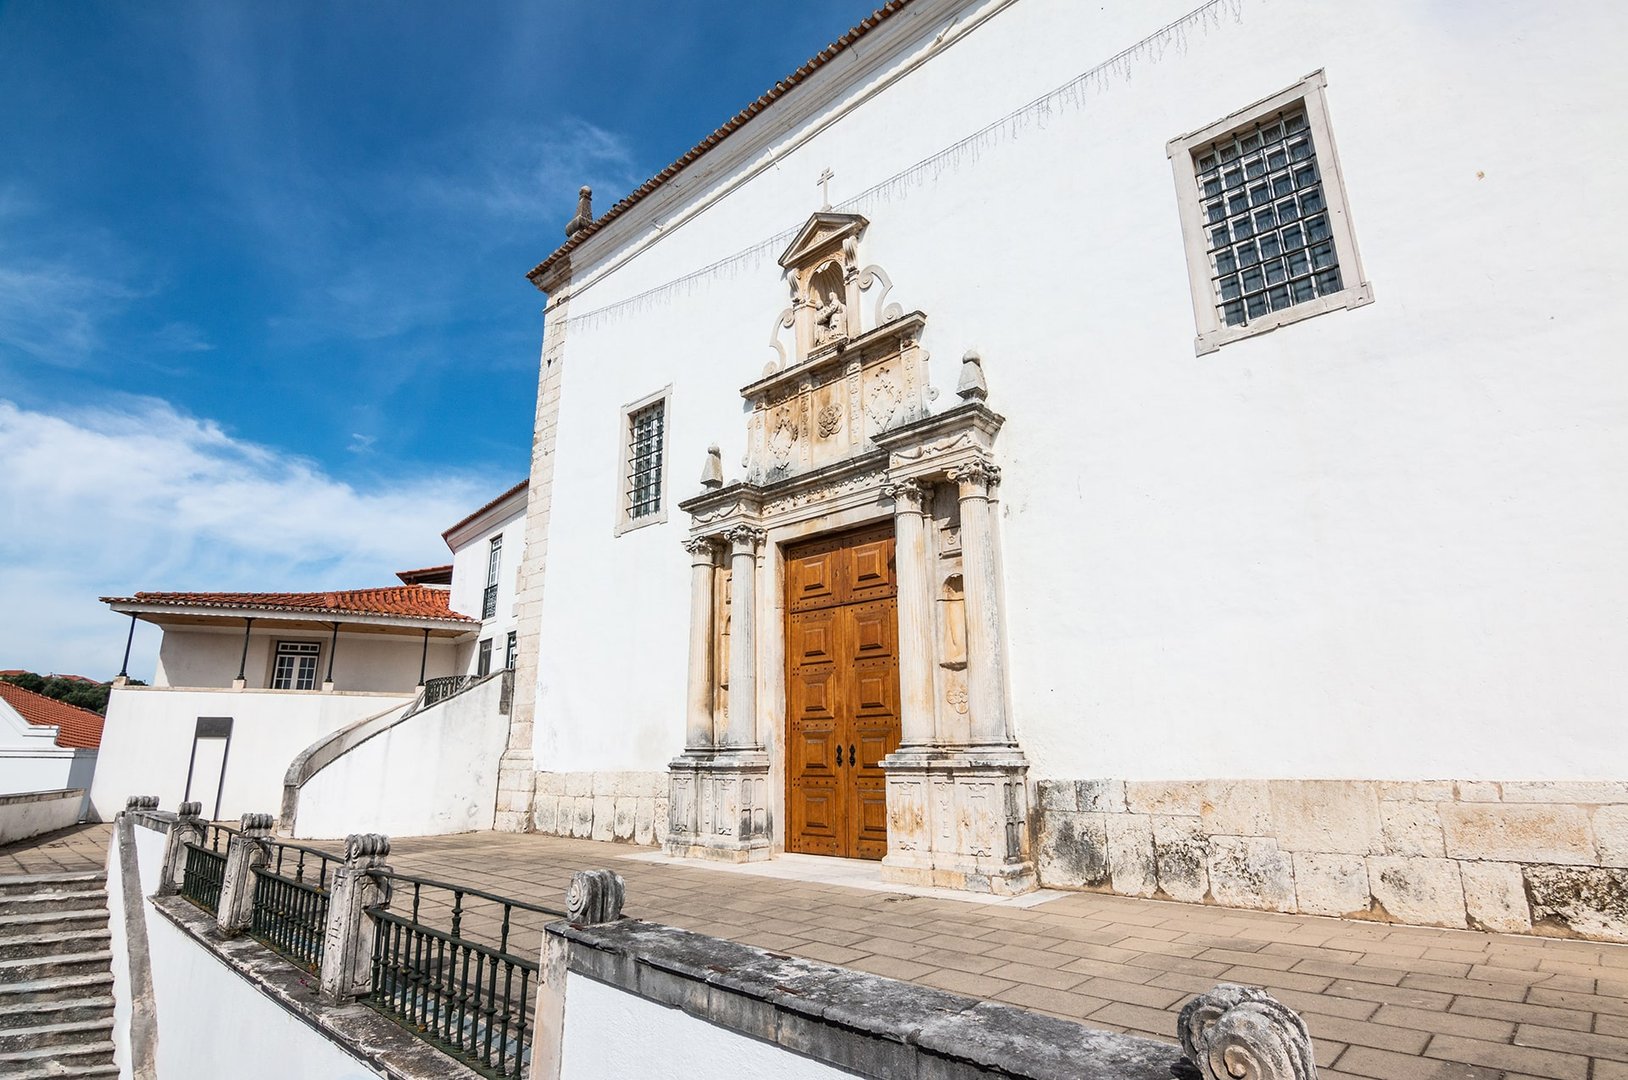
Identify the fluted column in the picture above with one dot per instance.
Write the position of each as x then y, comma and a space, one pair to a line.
741, 729
915, 576
986, 675
698, 716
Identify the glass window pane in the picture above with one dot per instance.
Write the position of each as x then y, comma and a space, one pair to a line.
1257, 305
1269, 245
1225, 263
1247, 255
1328, 281
1279, 297
1253, 279
1298, 263
1229, 288
1302, 290
1242, 229
1233, 313
1275, 274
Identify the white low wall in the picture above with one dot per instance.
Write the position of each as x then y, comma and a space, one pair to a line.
147, 742
432, 773
671, 1042
36, 812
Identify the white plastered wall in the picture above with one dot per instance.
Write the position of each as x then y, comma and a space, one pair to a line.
1383, 543
209, 657
469, 564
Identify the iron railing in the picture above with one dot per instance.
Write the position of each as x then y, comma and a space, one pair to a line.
459, 987
204, 873
438, 690
290, 907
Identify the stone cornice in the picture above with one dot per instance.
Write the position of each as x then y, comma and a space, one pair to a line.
833, 357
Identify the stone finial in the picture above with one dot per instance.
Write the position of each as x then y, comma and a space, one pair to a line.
141, 802
366, 847
585, 213
257, 824
972, 386
595, 896
712, 473
1243, 1033
189, 810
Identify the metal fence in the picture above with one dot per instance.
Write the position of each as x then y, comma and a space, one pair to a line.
291, 902
205, 868
472, 998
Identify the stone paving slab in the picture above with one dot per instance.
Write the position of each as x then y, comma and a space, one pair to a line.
1384, 1002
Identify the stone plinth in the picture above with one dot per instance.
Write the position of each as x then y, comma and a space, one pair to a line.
718, 806
959, 819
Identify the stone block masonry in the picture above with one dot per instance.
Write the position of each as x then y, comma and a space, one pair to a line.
1529, 857
625, 806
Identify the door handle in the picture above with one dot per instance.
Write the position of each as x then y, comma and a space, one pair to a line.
850, 753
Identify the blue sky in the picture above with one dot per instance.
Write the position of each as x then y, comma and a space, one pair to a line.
264, 322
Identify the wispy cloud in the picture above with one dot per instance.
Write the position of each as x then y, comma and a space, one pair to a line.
180, 337
113, 500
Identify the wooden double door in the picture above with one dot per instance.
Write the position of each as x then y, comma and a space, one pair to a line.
842, 690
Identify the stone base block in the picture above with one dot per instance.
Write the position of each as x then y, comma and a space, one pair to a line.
718, 806
625, 807
959, 819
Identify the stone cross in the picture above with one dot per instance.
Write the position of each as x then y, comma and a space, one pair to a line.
824, 181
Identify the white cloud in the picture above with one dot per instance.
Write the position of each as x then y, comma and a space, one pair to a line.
109, 501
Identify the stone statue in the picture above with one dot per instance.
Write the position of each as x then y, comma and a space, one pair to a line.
830, 321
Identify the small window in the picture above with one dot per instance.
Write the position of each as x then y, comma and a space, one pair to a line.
1264, 217
509, 652
494, 560
642, 476
295, 666
483, 665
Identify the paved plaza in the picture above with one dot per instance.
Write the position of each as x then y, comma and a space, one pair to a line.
1383, 1002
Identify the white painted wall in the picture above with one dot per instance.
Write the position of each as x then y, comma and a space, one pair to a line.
670, 1043
23, 816
212, 1021
147, 742
31, 760
433, 773
209, 656
469, 564
1381, 543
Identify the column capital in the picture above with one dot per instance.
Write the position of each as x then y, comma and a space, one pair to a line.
909, 496
702, 548
745, 539
976, 477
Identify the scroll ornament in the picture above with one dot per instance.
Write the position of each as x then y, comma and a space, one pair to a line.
594, 896
1243, 1033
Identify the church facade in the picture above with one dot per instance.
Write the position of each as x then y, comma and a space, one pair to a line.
1168, 451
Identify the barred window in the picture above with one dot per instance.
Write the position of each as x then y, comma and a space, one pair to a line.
1263, 211
644, 461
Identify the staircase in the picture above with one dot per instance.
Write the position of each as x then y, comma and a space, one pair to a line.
56, 983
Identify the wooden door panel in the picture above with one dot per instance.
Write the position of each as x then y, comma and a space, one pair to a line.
812, 580
869, 836
870, 570
873, 631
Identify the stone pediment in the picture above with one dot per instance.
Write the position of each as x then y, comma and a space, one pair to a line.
820, 235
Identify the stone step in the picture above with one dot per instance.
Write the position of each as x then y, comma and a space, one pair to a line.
61, 1034
72, 941
69, 882
59, 965
62, 988
70, 1060
52, 900
56, 1073
13, 927
83, 1007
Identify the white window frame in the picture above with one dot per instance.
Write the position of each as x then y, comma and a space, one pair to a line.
494, 562
1358, 292
316, 662
625, 522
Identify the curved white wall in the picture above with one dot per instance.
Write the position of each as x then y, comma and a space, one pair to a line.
433, 773
1383, 543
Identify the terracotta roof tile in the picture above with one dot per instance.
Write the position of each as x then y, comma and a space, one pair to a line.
467, 518
403, 601
733, 124
427, 575
77, 729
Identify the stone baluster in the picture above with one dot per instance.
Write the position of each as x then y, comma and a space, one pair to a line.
246, 850
986, 672
347, 950
741, 730
915, 569
188, 828
698, 728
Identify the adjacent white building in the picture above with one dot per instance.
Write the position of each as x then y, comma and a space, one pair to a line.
1168, 451
45, 744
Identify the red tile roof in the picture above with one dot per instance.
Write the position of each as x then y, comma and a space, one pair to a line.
521, 486
427, 575
77, 729
733, 124
402, 601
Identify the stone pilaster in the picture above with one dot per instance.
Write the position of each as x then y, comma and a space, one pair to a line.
698, 728
247, 849
915, 600
740, 728
188, 827
347, 951
986, 648
516, 769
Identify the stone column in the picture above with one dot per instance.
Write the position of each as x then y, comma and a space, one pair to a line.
741, 730
188, 827
986, 674
915, 574
698, 716
347, 950
247, 850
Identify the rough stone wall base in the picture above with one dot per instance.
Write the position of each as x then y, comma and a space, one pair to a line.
625, 806
1543, 857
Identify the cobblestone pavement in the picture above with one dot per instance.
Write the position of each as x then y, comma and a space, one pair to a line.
1383, 1002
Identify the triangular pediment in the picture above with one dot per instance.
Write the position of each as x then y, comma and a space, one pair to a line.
824, 230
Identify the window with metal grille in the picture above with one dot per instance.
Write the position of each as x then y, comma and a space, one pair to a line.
295, 665
1264, 215
645, 433
494, 560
